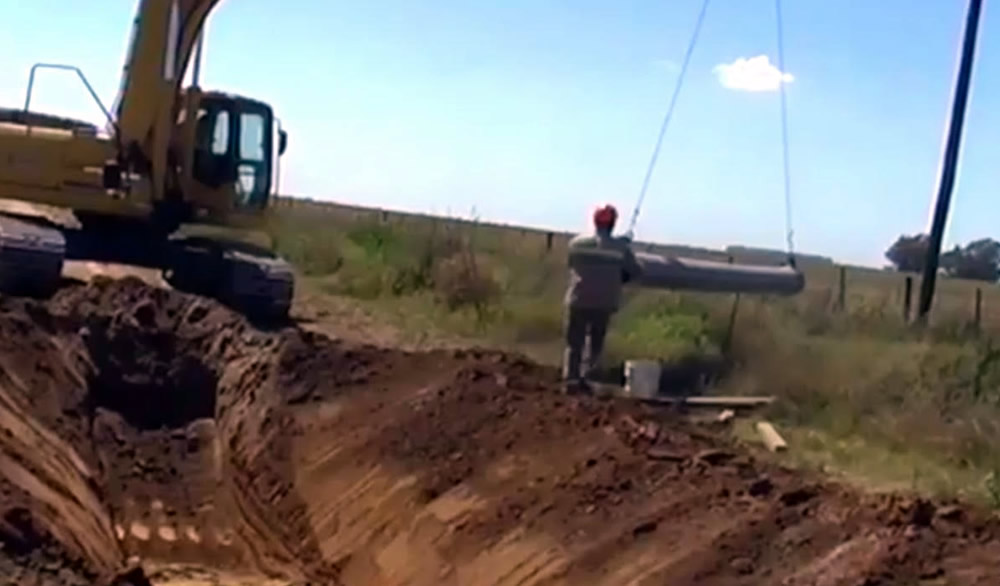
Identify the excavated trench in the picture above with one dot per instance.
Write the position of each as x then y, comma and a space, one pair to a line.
140, 422
149, 382
146, 424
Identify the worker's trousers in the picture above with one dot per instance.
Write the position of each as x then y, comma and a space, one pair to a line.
583, 325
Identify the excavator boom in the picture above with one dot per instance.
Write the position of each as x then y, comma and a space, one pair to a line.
163, 37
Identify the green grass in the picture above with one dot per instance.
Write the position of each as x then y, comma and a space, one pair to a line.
859, 390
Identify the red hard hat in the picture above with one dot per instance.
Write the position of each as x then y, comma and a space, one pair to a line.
605, 216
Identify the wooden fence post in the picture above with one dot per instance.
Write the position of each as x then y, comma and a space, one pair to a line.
842, 289
907, 297
977, 315
727, 342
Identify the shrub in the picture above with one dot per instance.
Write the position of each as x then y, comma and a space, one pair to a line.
460, 281
534, 321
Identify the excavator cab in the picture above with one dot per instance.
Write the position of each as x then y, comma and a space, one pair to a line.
226, 150
234, 146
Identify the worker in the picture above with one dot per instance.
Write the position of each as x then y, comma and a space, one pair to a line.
599, 264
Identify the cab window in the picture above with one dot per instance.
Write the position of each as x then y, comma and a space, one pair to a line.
251, 137
212, 159
220, 135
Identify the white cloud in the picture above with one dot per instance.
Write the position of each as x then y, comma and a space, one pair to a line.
755, 74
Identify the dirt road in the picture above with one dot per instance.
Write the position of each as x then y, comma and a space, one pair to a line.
140, 423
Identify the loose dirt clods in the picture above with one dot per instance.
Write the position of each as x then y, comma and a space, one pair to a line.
143, 426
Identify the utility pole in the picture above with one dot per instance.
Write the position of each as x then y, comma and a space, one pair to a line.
949, 163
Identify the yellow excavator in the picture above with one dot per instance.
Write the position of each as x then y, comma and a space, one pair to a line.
170, 157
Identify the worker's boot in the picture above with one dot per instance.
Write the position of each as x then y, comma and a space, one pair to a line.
577, 386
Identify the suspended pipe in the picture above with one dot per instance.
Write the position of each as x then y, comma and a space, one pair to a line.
680, 273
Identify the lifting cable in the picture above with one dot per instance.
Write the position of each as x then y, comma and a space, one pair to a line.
668, 116
789, 232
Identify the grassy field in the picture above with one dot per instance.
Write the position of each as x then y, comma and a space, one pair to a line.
861, 392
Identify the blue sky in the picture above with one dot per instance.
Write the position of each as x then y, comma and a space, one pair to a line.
532, 111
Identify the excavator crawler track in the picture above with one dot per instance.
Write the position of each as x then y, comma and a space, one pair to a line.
31, 257
260, 286
253, 282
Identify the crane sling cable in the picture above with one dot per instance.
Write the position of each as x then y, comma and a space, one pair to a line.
668, 116
789, 232
786, 165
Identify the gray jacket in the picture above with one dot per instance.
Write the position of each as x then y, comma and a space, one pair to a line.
598, 265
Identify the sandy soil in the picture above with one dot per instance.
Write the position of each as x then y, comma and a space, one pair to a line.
144, 428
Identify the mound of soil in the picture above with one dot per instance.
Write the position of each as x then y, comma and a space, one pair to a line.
44, 120
507, 481
143, 425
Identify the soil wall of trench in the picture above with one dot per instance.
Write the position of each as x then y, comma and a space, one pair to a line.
139, 424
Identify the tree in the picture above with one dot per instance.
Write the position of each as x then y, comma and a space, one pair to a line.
908, 253
978, 260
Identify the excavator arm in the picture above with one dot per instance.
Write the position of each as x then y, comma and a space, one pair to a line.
163, 37
196, 148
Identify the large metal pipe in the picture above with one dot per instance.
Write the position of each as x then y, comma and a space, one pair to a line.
679, 273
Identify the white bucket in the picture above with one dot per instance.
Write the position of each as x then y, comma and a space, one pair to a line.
642, 378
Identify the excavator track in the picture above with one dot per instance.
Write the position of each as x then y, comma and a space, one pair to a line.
254, 282
250, 280
31, 257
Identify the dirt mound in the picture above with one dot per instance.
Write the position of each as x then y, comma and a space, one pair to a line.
138, 422
476, 471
